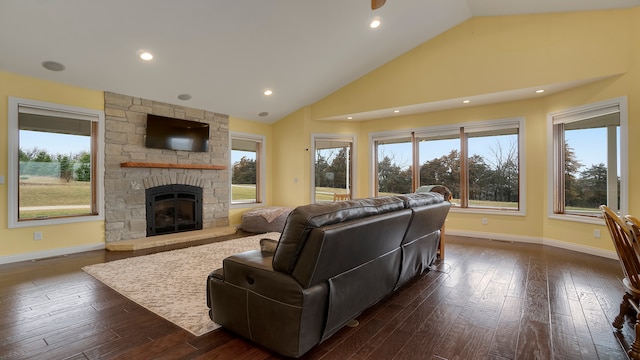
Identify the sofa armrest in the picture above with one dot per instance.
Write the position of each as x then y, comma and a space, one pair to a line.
266, 306
216, 275
252, 270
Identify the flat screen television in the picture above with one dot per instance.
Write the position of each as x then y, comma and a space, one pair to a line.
176, 134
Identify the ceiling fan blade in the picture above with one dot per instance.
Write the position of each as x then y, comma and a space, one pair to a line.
375, 4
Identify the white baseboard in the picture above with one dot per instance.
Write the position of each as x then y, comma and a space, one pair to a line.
502, 237
582, 248
50, 253
536, 240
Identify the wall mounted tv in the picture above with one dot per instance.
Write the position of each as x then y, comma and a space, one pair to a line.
176, 134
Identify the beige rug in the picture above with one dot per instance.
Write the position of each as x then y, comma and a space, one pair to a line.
173, 284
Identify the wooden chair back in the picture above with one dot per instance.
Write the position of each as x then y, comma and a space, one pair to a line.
341, 197
625, 239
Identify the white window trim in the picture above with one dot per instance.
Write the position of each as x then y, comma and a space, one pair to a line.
581, 113
262, 171
469, 127
45, 108
354, 162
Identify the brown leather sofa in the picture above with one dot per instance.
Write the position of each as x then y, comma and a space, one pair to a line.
333, 261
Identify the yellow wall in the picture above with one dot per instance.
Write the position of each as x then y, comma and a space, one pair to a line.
633, 93
20, 241
486, 55
251, 127
291, 178
493, 54
292, 172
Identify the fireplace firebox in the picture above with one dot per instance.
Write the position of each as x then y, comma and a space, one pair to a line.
173, 208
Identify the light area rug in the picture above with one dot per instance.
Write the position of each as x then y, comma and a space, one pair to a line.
172, 284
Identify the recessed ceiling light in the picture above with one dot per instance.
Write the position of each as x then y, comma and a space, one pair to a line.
539, 91
268, 92
349, 117
466, 101
375, 23
145, 55
184, 97
264, 113
52, 65
396, 111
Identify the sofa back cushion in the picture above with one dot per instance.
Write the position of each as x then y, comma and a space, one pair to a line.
429, 214
421, 199
307, 217
338, 248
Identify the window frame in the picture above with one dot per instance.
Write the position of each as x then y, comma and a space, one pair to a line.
460, 128
65, 111
579, 113
352, 138
260, 168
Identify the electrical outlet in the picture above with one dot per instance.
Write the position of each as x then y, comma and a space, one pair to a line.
485, 221
596, 233
37, 235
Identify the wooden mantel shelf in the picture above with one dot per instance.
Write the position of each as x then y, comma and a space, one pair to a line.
131, 164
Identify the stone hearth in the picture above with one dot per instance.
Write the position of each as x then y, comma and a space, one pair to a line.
169, 239
125, 213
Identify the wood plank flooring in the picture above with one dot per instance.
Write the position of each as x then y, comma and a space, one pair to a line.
486, 300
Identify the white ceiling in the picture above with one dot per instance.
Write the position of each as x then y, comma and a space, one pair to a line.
225, 53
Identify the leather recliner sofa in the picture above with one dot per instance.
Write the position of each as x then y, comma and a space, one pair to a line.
333, 260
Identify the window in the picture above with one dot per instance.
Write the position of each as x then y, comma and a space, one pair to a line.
394, 164
479, 162
55, 163
333, 161
247, 170
439, 156
493, 168
588, 149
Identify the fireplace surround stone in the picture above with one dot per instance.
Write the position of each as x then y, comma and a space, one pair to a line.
125, 123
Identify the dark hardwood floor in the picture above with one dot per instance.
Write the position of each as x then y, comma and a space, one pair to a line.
486, 300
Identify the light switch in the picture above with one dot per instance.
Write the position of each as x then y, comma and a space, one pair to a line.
1, 179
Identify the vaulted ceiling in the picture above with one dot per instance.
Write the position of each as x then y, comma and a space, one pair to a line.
225, 54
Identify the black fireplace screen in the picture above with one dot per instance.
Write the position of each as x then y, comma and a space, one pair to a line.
173, 208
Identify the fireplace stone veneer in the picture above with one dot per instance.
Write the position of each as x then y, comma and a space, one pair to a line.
125, 187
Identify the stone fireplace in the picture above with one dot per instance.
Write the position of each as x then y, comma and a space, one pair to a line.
126, 186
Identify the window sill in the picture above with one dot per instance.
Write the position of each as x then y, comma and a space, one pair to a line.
245, 205
576, 218
456, 209
13, 224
